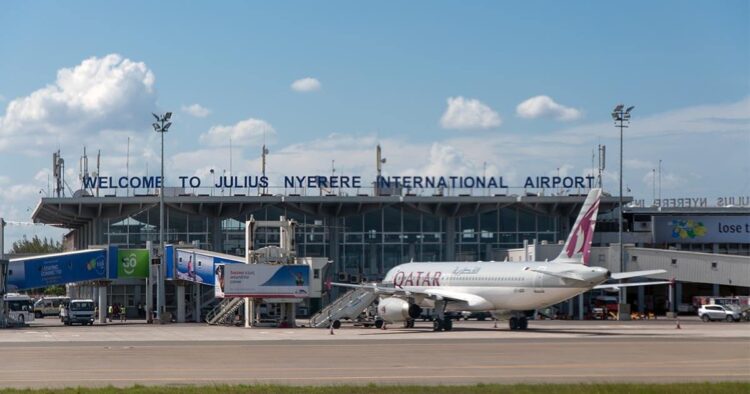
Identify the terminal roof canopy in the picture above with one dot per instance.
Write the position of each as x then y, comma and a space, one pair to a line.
74, 212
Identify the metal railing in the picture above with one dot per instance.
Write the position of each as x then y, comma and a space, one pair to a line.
224, 312
348, 306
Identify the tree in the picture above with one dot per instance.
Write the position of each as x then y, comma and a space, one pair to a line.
36, 245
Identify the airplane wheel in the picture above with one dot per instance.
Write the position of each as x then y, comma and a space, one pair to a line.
336, 324
513, 323
523, 323
448, 325
437, 325
379, 324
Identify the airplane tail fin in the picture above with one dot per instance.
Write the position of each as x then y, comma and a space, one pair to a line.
578, 246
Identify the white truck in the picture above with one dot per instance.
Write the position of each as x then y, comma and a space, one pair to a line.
79, 311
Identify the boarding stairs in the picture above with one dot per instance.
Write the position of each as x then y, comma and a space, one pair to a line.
348, 306
224, 313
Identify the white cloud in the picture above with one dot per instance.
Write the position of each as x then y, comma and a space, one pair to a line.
545, 107
306, 85
463, 113
245, 132
196, 110
100, 94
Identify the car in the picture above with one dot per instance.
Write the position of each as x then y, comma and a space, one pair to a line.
718, 312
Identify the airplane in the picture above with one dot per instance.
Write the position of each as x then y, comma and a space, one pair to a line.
505, 289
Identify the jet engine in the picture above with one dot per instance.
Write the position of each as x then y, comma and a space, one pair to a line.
394, 309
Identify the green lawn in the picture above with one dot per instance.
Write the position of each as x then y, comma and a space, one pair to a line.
676, 388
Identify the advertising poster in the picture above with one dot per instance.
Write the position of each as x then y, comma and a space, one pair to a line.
263, 280
194, 266
132, 263
701, 229
57, 269
186, 266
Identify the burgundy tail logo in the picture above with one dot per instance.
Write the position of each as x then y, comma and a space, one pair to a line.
581, 236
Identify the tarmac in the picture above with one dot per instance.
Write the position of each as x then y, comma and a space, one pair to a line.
48, 354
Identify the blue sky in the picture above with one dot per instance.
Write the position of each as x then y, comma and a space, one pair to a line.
386, 73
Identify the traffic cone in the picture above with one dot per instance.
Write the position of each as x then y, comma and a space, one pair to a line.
495, 323
678, 324
331, 325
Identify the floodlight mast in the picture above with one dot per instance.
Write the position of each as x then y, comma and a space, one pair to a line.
161, 126
622, 120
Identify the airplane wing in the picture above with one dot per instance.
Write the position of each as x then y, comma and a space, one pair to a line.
471, 300
617, 286
633, 274
562, 274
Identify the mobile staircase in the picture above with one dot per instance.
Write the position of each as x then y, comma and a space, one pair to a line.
348, 306
224, 313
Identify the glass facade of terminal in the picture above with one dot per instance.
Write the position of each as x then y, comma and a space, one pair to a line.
368, 243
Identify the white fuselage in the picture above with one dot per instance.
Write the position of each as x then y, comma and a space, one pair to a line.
507, 286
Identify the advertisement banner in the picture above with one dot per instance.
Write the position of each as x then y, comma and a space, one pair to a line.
194, 266
262, 281
132, 263
702, 229
56, 269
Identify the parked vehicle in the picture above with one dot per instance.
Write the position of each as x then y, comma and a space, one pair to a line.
20, 308
79, 311
718, 312
49, 306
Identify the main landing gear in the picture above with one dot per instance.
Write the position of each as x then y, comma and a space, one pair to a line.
518, 323
440, 323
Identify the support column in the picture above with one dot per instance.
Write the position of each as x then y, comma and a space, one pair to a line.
641, 299
102, 304
197, 299
450, 235
716, 291
580, 306
678, 296
180, 302
217, 240
249, 311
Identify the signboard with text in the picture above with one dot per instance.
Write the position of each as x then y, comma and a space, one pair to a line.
702, 229
262, 280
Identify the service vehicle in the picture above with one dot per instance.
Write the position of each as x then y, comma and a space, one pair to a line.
20, 308
49, 306
79, 311
719, 312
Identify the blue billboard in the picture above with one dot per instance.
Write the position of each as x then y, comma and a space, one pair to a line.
57, 269
193, 265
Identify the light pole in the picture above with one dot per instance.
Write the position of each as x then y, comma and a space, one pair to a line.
161, 126
622, 120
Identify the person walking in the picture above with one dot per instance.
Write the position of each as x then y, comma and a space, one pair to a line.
110, 311
123, 315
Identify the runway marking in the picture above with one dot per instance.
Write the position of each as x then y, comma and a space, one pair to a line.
371, 378
38, 371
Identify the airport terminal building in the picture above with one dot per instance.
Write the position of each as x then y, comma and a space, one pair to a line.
366, 234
